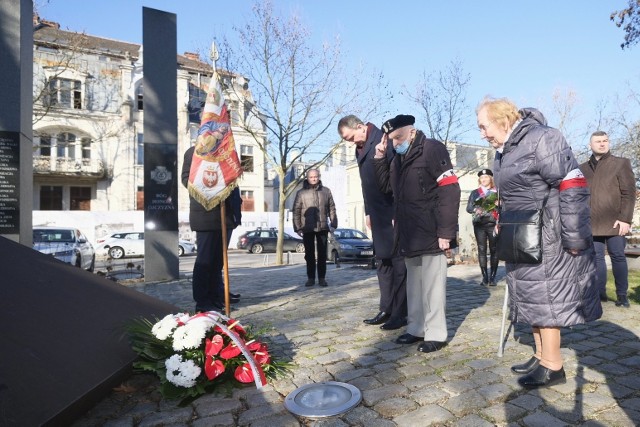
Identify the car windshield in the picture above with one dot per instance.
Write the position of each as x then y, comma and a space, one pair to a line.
59, 236
349, 234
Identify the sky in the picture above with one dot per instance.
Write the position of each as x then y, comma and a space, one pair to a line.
524, 51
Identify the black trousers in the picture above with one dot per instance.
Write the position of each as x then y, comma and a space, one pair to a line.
484, 234
207, 283
392, 279
310, 241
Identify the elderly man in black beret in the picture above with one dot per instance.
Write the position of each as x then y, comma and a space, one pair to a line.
427, 198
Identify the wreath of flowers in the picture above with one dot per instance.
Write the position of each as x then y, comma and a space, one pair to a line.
193, 355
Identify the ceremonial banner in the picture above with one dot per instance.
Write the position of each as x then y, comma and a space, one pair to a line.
215, 167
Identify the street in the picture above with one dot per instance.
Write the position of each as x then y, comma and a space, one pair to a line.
133, 267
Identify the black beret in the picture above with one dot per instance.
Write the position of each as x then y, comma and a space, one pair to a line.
485, 172
401, 120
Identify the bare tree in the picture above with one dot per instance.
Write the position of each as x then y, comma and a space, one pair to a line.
442, 96
298, 91
629, 20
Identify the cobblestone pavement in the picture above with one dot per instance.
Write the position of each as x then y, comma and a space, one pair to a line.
320, 330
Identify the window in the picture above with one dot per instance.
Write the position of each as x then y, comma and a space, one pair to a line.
247, 200
86, 148
140, 199
65, 93
246, 158
197, 98
139, 97
66, 145
50, 198
45, 145
80, 198
140, 150
234, 112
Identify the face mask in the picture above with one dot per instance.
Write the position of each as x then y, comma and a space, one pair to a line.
402, 148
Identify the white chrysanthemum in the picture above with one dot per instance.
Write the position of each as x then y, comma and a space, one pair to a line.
162, 330
189, 335
182, 373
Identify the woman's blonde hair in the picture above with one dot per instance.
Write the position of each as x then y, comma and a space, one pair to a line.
500, 110
493, 184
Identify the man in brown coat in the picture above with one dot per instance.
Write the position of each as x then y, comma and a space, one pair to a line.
613, 195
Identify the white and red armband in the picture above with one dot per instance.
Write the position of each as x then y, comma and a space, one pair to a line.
574, 178
447, 178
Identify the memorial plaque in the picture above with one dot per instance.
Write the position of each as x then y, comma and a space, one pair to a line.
9, 182
160, 187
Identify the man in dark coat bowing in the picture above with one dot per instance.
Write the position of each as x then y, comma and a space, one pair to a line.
378, 208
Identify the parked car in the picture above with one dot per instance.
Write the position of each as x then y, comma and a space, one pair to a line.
131, 244
67, 244
264, 240
346, 244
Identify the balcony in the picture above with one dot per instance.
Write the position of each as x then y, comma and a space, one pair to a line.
88, 168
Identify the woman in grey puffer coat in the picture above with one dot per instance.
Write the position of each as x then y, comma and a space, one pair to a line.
534, 161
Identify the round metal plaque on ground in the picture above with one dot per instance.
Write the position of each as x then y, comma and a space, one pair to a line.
324, 399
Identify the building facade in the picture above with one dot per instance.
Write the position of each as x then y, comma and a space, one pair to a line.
88, 143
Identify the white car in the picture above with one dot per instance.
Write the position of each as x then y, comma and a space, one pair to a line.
131, 244
66, 244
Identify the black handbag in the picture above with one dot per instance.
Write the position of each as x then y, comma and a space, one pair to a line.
520, 235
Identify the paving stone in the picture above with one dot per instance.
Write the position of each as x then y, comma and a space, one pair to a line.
427, 415
254, 414
421, 381
371, 397
542, 419
429, 395
390, 408
503, 413
347, 376
332, 357
206, 407
360, 415
469, 402
495, 392
472, 421
176, 416
281, 420
223, 420
527, 401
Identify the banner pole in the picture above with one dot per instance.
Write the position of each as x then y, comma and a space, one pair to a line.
225, 258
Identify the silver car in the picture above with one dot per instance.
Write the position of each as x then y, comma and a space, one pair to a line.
66, 244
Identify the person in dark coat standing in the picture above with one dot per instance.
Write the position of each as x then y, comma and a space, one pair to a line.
483, 205
311, 208
378, 209
535, 164
207, 282
426, 200
613, 197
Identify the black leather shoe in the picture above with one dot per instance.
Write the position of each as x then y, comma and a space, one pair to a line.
541, 377
232, 295
431, 346
322, 282
527, 366
233, 300
408, 339
622, 301
310, 282
394, 324
380, 318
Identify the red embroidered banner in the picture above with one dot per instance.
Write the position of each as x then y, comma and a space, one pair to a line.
215, 167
